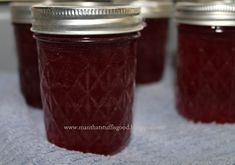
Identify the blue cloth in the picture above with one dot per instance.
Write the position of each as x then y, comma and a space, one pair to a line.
160, 135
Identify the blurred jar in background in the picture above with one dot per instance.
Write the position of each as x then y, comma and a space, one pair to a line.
87, 69
27, 53
206, 61
152, 44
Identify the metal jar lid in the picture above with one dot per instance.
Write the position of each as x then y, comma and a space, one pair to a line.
155, 8
21, 11
208, 14
82, 19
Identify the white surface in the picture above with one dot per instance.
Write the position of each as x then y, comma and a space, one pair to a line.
160, 135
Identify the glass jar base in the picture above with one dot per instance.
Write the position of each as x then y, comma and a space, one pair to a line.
202, 118
34, 104
149, 80
88, 149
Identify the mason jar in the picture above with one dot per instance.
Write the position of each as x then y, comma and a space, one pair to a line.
27, 52
153, 41
87, 65
206, 61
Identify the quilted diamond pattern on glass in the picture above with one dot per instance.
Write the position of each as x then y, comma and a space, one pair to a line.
86, 84
206, 74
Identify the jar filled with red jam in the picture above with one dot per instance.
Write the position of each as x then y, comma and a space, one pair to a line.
87, 61
27, 53
153, 41
206, 61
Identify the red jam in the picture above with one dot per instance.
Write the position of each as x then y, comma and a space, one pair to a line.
88, 81
28, 64
206, 73
151, 51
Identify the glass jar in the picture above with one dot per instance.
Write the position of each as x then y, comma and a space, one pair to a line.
27, 53
206, 61
87, 60
152, 44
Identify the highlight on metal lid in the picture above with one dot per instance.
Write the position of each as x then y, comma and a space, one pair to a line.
155, 8
210, 13
82, 19
21, 9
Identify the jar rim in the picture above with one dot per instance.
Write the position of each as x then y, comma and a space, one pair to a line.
80, 19
21, 10
207, 14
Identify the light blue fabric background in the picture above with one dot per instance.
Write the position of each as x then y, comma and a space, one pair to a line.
160, 135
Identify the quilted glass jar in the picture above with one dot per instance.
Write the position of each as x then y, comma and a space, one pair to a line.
152, 44
87, 60
206, 62
27, 53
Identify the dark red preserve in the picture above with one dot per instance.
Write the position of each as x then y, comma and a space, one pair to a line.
27, 54
28, 64
87, 79
152, 44
151, 51
206, 68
